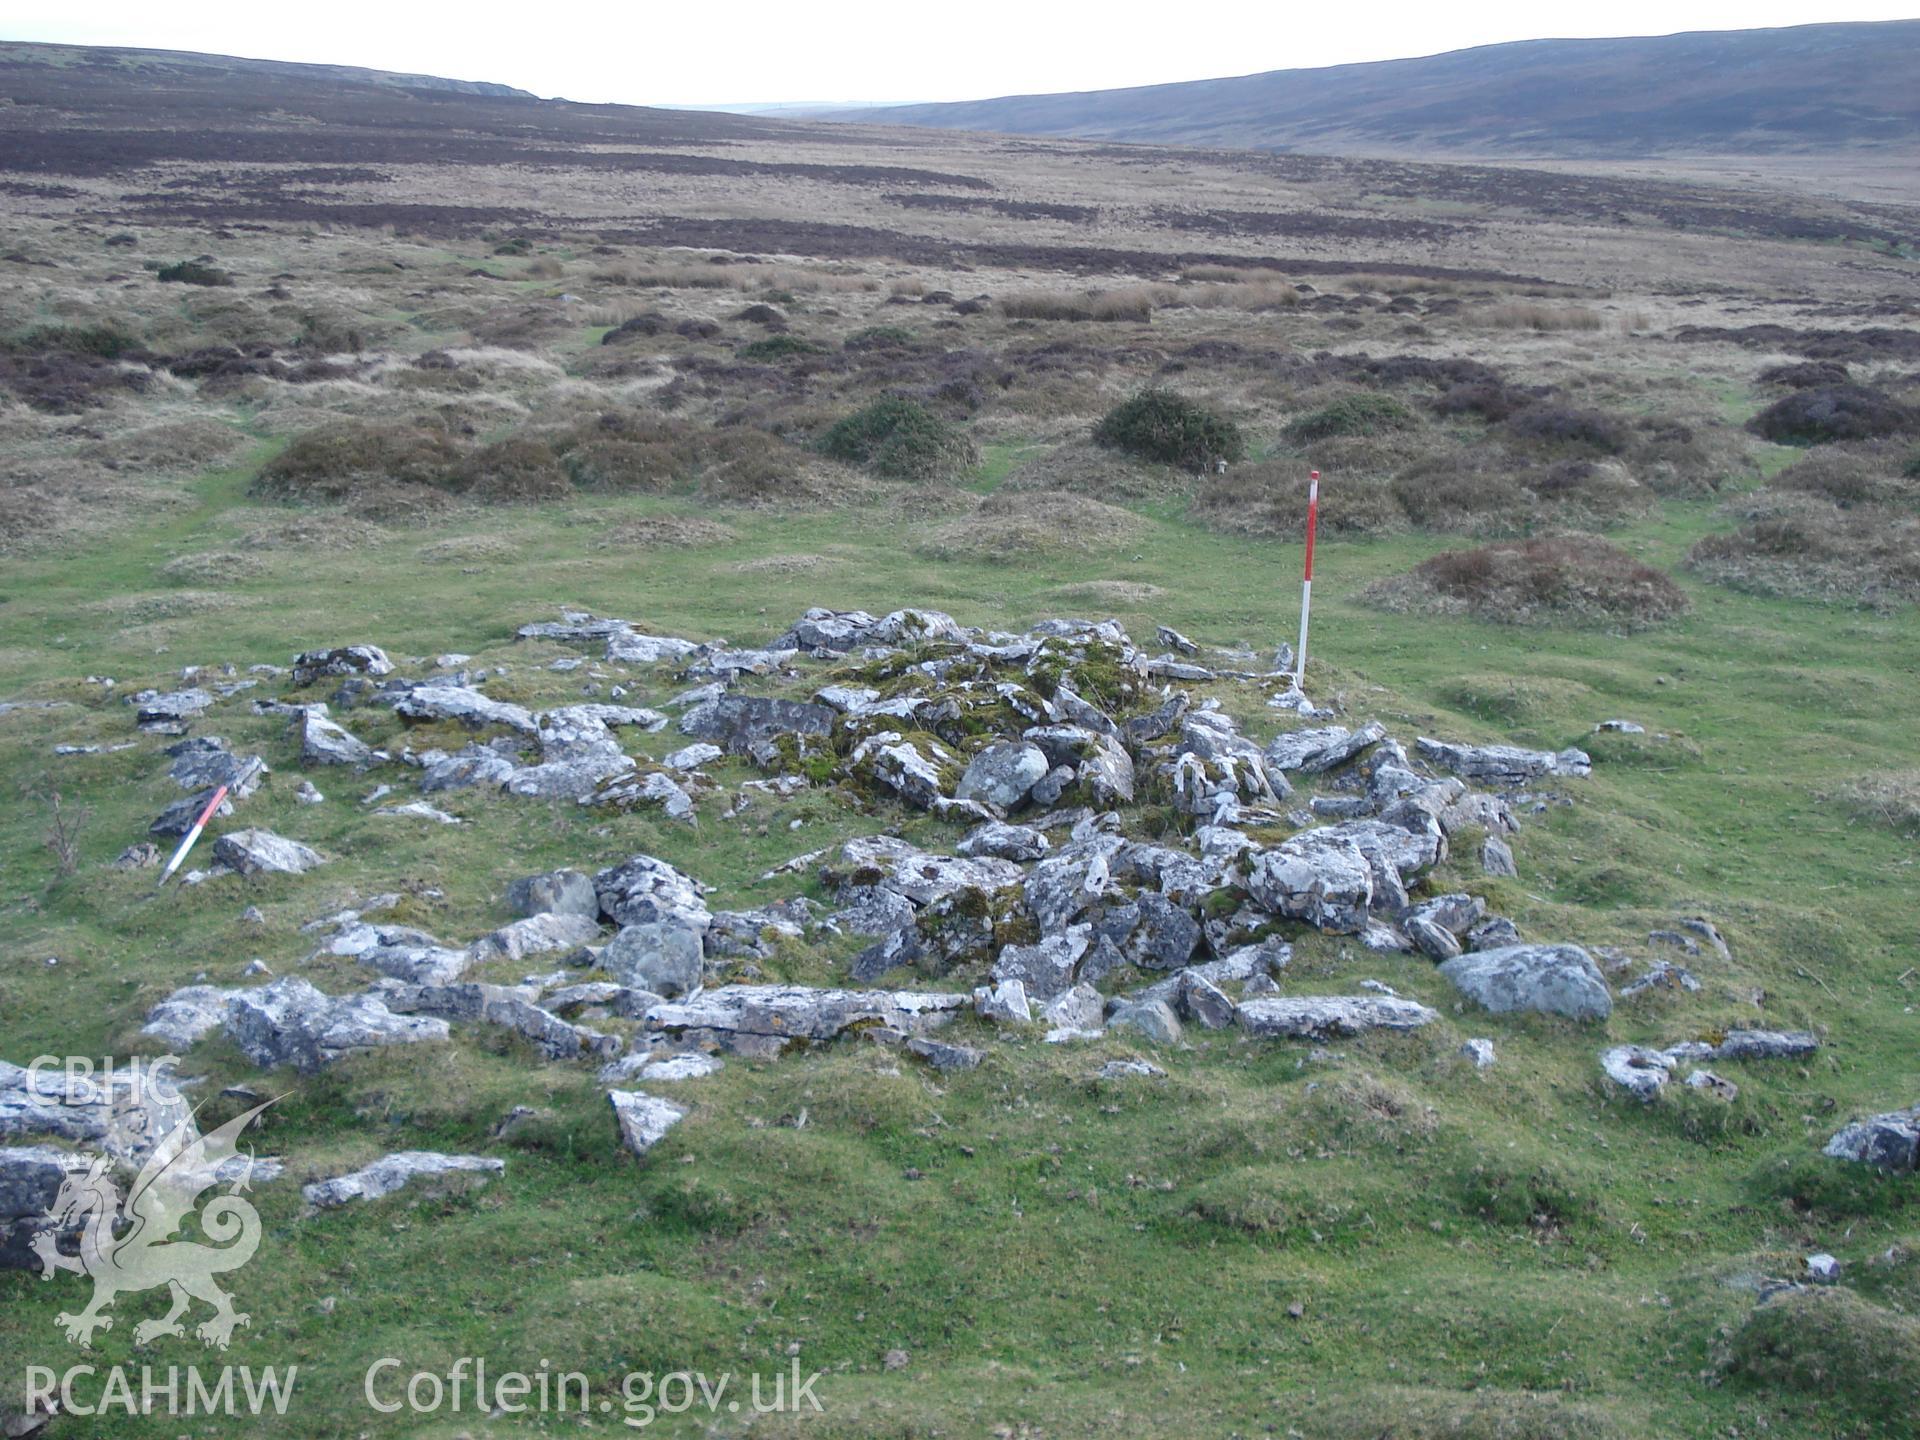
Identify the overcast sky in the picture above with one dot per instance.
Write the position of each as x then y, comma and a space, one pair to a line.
654, 53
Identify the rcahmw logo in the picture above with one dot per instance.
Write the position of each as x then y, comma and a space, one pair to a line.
127, 1245
128, 1248
171, 1392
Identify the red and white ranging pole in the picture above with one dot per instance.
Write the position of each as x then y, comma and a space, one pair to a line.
207, 814
1306, 585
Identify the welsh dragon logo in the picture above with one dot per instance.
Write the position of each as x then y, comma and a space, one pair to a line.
143, 1255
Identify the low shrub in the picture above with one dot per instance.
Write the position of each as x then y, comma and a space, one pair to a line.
766, 315
193, 272
1807, 374
639, 327
1568, 428
516, 470
1823, 414
1363, 414
1577, 578
900, 439
1491, 400
1160, 425
779, 347
332, 462
880, 337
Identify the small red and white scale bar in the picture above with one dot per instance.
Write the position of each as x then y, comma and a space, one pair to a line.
212, 808
1306, 586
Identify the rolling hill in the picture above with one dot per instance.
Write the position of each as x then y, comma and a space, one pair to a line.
1806, 88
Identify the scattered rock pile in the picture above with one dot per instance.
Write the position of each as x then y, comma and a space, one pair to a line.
1043, 749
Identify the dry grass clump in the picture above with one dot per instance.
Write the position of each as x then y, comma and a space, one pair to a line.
466, 550
325, 531
213, 567
1082, 468
1269, 498
1689, 458
1578, 579
149, 609
1120, 593
1886, 797
1812, 549
1231, 275
798, 564
1517, 315
1085, 469
1850, 476
665, 276
1131, 303
48, 500
663, 532
1010, 528
195, 443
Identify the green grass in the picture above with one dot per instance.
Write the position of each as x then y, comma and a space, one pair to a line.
1060, 1256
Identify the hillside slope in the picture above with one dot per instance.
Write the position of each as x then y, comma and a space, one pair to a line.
1810, 87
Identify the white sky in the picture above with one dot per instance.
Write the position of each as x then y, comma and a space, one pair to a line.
666, 52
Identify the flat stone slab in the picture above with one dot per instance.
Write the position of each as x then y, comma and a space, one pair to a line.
802, 1012
289, 1022
1315, 1017
393, 1172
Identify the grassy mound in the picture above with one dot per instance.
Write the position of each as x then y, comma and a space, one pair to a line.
1579, 579
1010, 528
1160, 425
1834, 1345
900, 439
